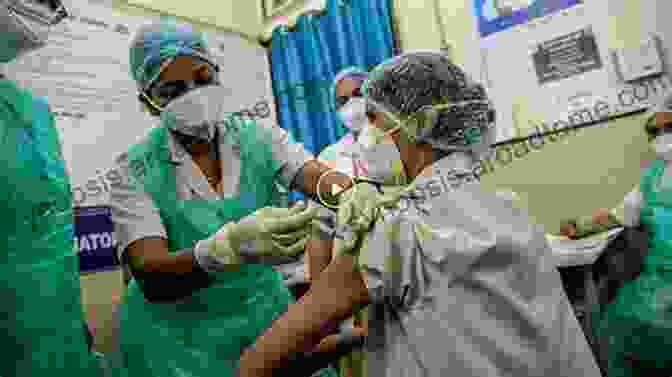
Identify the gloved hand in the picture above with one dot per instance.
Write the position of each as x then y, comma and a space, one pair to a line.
358, 209
359, 206
268, 232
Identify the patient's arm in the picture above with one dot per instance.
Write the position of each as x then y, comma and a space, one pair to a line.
331, 342
318, 256
334, 295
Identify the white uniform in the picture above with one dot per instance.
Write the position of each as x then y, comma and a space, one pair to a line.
473, 284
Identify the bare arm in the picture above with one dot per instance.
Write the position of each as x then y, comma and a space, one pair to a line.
162, 276
334, 295
141, 236
318, 255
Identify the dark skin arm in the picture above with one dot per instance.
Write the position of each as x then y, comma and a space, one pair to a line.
318, 254
164, 277
334, 296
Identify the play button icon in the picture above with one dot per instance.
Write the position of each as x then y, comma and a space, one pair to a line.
336, 189
329, 192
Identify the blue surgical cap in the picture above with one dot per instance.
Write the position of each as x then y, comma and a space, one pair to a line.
347, 73
156, 43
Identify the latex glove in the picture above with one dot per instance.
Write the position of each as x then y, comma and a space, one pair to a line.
257, 238
359, 207
349, 242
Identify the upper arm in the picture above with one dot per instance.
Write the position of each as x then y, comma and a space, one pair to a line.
334, 296
136, 219
320, 246
318, 256
339, 290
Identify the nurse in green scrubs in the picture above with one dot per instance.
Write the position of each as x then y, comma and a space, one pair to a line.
194, 217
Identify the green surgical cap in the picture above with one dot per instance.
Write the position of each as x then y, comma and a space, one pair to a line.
158, 42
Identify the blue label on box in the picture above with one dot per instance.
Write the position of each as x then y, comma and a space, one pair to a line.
94, 240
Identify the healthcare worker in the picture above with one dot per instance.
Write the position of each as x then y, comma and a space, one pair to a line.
636, 326
346, 156
349, 105
459, 283
349, 155
194, 218
42, 319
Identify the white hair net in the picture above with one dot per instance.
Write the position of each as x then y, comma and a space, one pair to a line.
433, 101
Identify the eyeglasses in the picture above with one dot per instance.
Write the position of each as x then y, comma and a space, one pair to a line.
342, 100
166, 91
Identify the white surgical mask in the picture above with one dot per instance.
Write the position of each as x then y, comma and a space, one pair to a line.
197, 113
353, 114
24, 26
662, 145
381, 157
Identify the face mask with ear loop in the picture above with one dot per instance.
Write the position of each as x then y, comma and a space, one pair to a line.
381, 156
190, 108
353, 114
